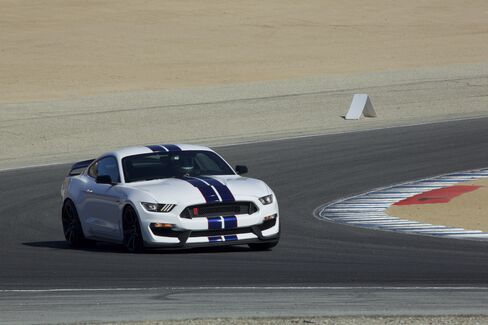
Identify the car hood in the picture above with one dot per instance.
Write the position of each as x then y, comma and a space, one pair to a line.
181, 191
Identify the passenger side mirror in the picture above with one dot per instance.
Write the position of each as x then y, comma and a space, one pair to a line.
241, 169
104, 179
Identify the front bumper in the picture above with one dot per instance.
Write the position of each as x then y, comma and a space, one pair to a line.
210, 231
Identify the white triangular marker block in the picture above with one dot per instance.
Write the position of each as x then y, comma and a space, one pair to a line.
361, 105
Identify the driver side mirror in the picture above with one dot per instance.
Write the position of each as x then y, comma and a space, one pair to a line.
241, 169
104, 179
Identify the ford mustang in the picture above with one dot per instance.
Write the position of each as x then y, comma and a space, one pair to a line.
167, 196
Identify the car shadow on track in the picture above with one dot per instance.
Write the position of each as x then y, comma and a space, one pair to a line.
112, 248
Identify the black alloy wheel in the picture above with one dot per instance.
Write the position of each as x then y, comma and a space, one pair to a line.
73, 231
132, 231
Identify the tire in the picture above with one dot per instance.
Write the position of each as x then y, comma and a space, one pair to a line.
133, 240
73, 232
262, 246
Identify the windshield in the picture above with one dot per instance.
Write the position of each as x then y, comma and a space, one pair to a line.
160, 165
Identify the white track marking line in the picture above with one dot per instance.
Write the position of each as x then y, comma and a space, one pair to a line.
243, 288
382, 194
382, 222
361, 205
375, 199
400, 192
352, 218
470, 235
440, 231
365, 206
456, 233
36, 166
439, 185
463, 232
357, 216
356, 209
370, 218
360, 216
421, 226
357, 212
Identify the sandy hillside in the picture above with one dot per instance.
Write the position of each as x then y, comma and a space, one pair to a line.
57, 49
78, 78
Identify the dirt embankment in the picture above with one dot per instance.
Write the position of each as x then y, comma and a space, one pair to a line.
58, 49
78, 78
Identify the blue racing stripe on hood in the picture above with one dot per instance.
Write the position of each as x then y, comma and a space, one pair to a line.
206, 190
223, 190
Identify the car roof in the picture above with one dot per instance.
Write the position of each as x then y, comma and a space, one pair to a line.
130, 151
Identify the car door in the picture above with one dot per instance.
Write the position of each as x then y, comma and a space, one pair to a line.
102, 203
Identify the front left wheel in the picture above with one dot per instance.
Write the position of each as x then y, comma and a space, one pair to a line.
72, 226
132, 231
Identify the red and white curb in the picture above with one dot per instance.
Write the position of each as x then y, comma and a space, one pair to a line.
368, 210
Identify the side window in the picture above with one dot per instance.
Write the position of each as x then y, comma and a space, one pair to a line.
92, 171
108, 166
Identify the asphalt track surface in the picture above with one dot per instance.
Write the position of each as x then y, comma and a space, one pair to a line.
305, 173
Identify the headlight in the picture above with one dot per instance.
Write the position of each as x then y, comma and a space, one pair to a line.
157, 207
265, 200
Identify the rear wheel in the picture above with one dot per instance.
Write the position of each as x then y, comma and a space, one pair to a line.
132, 231
262, 246
72, 226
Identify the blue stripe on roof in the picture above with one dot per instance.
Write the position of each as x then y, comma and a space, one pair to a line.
156, 148
171, 147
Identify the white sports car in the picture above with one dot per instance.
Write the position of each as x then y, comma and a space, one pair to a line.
167, 196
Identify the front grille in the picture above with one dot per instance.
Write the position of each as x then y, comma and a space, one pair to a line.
218, 209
